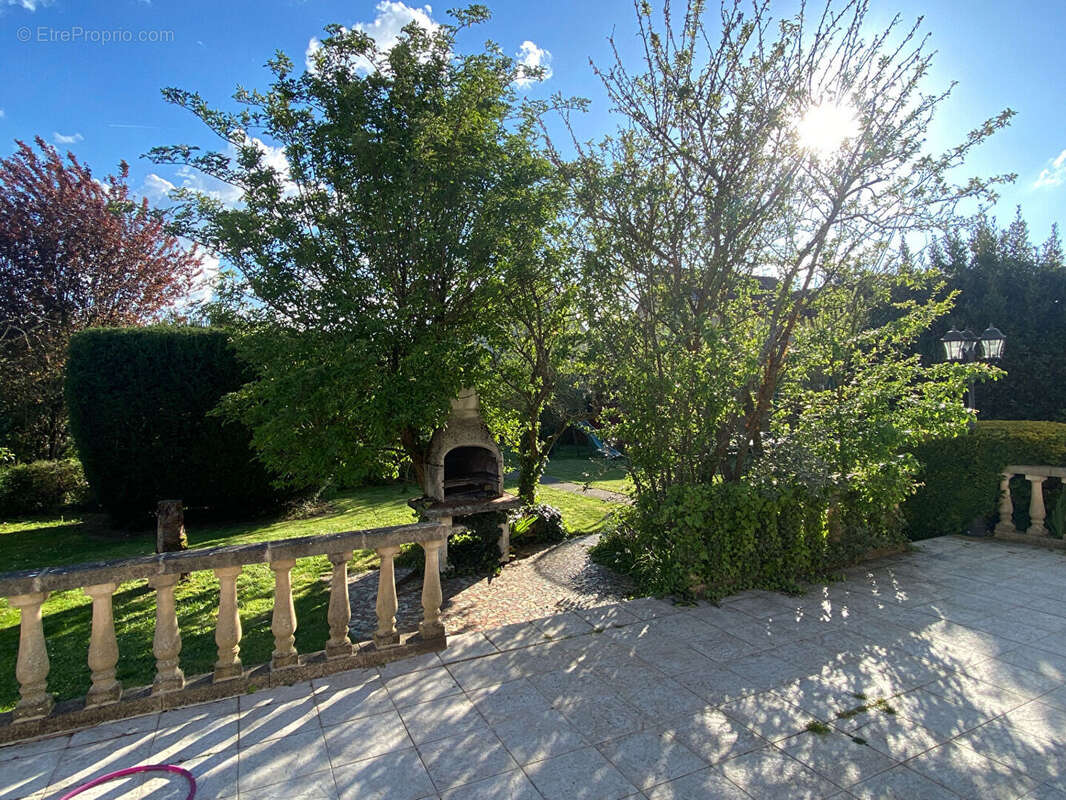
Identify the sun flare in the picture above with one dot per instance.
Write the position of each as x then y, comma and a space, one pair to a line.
825, 127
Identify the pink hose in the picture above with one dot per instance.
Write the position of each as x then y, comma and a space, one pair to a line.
132, 770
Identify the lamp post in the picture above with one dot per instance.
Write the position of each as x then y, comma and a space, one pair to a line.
965, 346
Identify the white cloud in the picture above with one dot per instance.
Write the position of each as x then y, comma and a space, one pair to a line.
531, 56
1, 113
157, 188
385, 30
1054, 174
74, 138
29, 5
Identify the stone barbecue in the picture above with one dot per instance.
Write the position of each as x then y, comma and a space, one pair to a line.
463, 471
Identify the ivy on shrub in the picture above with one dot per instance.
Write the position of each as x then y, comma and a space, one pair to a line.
538, 524
960, 477
41, 486
140, 402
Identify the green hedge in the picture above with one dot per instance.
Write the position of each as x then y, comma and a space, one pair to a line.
711, 540
139, 400
41, 486
960, 477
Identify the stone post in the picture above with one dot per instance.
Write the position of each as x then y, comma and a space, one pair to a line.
103, 648
442, 559
228, 628
504, 542
386, 634
167, 642
283, 625
1037, 514
1006, 506
431, 627
31, 667
340, 607
170, 527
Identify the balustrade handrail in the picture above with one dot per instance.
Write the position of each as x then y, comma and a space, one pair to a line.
1036, 474
29, 590
57, 579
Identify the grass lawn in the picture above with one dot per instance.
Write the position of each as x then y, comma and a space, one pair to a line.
30, 543
581, 466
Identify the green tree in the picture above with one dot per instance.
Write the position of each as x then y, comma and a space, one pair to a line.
374, 254
536, 368
1001, 278
759, 161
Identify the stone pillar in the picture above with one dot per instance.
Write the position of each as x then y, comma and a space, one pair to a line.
167, 642
386, 634
504, 542
228, 628
283, 624
1006, 506
1037, 514
103, 648
31, 667
442, 559
431, 627
340, 607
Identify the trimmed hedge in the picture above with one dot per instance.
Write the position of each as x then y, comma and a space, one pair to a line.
139, 400
41, 486
960, 477
711, 540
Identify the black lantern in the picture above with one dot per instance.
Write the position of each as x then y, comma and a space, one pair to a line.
992, 342
954, 345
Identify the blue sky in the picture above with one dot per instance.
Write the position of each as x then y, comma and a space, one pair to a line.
101, 99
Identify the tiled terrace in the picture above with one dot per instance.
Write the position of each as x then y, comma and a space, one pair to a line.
964, 641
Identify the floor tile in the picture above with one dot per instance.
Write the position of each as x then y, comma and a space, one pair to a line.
580, 775
836, 756
419, 687
970, 774
713, 736
393, 776
539, 735
900, 783
344, 703
277, 760
441, 719
770, 774
769, 715
504, 700
707, 784
648, 758
512, 785
465, 758
22, 777
365, 737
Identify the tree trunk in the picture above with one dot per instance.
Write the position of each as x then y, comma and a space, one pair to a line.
416, 451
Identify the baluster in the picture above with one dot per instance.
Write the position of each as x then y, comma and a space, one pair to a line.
167, 642
431, 627
1037, 514
103, 649
1006, 506
284, 622
340, 608
31, 667
228, 628
386, 633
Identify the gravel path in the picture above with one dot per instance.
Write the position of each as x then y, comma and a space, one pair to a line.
557, 578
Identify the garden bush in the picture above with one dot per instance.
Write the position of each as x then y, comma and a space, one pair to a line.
41, 486
140, 402
538, 524
960, 476
711, 540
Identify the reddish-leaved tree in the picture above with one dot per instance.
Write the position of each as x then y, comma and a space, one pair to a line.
75, 252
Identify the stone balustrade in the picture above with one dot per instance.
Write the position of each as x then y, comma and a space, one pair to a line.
36, 712
1036, 475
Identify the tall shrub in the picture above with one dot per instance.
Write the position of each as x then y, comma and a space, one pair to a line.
140, 403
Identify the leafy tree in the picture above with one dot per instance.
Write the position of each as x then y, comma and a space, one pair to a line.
1001, 278
373, 254
74, 253
758, 162
536, 367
